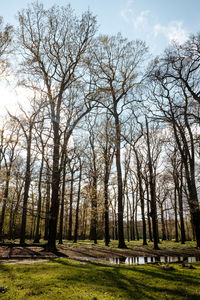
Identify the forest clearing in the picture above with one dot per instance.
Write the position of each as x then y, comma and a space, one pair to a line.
88, 274
99, 156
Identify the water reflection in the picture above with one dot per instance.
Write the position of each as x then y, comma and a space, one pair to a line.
141, 260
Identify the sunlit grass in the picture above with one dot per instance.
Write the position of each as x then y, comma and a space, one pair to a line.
67, 279
133, 245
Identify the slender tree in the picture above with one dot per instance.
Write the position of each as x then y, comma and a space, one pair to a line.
26, 124
114, 66
53, 44
8, 154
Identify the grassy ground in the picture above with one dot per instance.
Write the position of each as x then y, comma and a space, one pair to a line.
68, 279
133, 245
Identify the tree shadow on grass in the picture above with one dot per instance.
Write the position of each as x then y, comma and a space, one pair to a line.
3, 267
97, 276
114, 280
168, 275
6, 270
126, 282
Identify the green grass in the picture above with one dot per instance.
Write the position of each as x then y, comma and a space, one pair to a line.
132, 245
67, 279
135, 245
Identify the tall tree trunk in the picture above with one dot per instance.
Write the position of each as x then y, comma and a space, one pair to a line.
113, 224
130, 220
10, 234
66, 215
5, 198
180, 204
53, 217
37, 234
194, 210
188, 159
152, 193
48, 196
15, 213
83, 220
175, 215
62, 203
26, 188
133, 212
93, 227
77, 205
163, 223
178, 182
148, 212
106, 206
119, 183
127, 218
136, 221
141, 193
167, 223
69, 236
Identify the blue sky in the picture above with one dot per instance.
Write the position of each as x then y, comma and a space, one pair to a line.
156, 21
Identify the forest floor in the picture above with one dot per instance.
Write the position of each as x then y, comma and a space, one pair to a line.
64, 279
88, 251
87, 273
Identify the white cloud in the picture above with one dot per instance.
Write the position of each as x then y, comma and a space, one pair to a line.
174, 31
142, 19
11, 97
127, 12
145, 25
130, 16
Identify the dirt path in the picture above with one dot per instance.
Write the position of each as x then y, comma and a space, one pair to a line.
114, 253
16, 254
37, 254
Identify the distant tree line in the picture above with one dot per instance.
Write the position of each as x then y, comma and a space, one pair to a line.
107, 144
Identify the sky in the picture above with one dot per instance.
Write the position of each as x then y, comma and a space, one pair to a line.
157, 22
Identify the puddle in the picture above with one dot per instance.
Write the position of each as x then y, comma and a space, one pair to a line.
141, 260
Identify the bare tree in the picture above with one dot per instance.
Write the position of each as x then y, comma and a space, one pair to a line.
107, 150
115, 65
41, 139
175, 92
78, 199
53, 46
5, 43
9, 142
26, 123
152, 187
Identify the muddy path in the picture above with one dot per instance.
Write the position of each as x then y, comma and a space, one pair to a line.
34, 254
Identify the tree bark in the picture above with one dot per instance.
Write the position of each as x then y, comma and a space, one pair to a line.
62, 203
26, 188
121, 243
37, 233
175, 215
5, 198
77, 205
148, 211
69, 236
152, 193
47, 206
53, 216
141, 193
